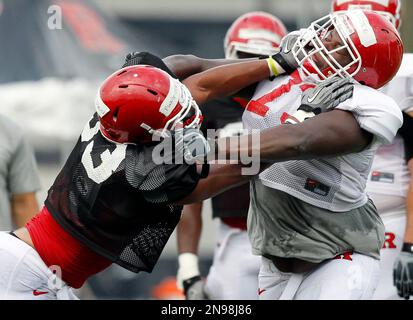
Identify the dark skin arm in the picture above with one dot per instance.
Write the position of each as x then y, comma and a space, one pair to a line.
184, 66
189, 228
226, 80
326, 135
408, 235
221, 177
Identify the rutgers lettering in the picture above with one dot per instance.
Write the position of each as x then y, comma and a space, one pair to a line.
389, 241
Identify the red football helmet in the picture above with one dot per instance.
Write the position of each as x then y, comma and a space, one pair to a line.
372, 43
257, 33
391, 9
137, 101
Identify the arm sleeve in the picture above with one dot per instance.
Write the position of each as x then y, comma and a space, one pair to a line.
406, 104
178, 182
159, 183
23, 175
406, 131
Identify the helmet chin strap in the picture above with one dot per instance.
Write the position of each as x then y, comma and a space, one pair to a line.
147, 128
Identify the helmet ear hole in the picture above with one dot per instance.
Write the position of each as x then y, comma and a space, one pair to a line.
153, 92
120, 73
115, 115
123, 86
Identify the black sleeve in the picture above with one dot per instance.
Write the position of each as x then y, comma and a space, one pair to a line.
406, 131
179, 182
159, 183
147, 58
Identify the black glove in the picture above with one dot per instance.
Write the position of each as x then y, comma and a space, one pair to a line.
135, 58
403, 272
285, 57
194, 289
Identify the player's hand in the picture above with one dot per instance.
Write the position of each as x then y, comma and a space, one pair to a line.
136, 58
327, 95
191, 143
285, 57
196, 147
322, 98
403, 274
188, 277
194, 289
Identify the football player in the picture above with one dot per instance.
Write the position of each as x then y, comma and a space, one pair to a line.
119, 196
106, 207
111, 202
389, 183
310, 219
234, 271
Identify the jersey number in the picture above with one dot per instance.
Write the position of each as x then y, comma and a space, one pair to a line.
110, 160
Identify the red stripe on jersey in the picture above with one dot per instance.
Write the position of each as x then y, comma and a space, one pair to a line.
57, 247
241, 101
259, 106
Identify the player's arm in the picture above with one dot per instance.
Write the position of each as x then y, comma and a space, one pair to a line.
188, 235
328, 134
331, 133
228, 79
221, 177
178, 66
23, 207
23, 182
187, 65
403, 266
408, 235
406, 131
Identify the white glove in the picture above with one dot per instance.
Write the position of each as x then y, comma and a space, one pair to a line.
188, 277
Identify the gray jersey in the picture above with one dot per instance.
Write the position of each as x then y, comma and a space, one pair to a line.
335, 183
18, 171
284, 226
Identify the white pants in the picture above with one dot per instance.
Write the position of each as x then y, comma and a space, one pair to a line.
337, 279
394, 223
24, 275
234, 271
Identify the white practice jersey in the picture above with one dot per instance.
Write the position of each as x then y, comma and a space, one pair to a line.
335, 183
389, 174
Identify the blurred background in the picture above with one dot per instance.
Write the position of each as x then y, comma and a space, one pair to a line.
54, 54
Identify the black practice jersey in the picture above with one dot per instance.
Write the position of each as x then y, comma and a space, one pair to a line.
226, 115
117, 201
